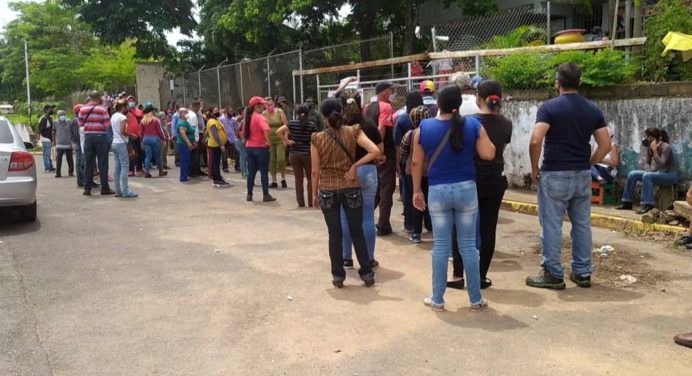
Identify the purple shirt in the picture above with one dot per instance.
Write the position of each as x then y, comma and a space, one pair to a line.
229, 125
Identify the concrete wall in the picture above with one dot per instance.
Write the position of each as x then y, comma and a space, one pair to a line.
148, 77
628, 117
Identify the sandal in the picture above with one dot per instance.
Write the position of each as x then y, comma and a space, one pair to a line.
480, 306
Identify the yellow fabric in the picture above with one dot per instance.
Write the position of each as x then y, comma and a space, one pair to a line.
678, 42
222, 133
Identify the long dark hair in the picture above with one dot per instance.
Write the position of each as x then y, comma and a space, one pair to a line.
331, 109
249, 110
658, 134
414, 99
491, 92
303, 113
449, 101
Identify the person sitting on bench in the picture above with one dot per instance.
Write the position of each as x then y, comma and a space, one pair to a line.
659, 170
606, 170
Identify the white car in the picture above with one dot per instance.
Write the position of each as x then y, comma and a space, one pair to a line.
17, 173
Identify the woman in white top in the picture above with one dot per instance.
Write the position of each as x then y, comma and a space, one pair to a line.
606, 170
121, 155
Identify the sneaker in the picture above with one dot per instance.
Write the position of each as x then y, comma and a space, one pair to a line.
118, 194
545, 280
581, 281
625, 206
374, 264
348, 263
480, 306
273, 185
163, 173
415, 239
58, 176
435, 307
147, 175
283, 184
645, 209
688, 246
268, 198
226, 170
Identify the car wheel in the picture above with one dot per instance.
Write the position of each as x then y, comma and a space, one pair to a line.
28, 213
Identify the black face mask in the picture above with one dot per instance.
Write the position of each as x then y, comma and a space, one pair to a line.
216, 114
646, 143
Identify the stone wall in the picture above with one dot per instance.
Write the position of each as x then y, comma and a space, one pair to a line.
149, 76
628, 116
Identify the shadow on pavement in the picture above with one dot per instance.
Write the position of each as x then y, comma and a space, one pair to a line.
355, 292
489, 319
514, 297
11, 225
598, 293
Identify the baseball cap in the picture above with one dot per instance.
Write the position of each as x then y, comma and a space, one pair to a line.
427, 86
255, 101
476, 80
382, 86
48, 107
282, 99
462, 80
131, 98
148, 107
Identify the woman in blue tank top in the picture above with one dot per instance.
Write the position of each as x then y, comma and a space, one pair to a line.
449, 142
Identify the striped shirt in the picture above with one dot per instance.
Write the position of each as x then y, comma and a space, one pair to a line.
334, 163
301, 136
98, 119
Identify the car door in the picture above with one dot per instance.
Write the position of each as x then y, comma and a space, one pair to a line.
6, 148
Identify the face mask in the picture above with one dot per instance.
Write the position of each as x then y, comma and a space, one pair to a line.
217, 114
646, 143
62, 118
131, 104
391, 97
270, 107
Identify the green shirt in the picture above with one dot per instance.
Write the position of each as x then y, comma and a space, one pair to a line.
189, 131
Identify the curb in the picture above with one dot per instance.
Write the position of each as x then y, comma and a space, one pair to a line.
599, 220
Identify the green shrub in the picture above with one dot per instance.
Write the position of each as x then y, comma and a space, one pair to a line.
603, 68
668, 15
520, 37
525, 71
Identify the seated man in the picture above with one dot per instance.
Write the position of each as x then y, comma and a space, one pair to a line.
606, 170
659, 170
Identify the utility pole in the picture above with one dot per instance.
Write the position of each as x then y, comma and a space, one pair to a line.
28, 83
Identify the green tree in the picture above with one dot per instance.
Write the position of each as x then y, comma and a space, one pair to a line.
668, 15
109, 68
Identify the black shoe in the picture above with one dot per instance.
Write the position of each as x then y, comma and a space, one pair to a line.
283, 184
58, 176
95, 186
688, 246
338, 284
248, 198
485, 283
685, 240
107, 192
87, 192
374, 264
545, 280
579, 280
273, 185
458, 284
384, 231
348, 264
268, 198
226, 170
369, 282
645, 209
625, 206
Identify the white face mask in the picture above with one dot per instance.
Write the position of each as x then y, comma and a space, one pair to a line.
391, 97
62, 117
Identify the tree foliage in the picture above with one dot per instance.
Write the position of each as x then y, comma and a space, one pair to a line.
668, 15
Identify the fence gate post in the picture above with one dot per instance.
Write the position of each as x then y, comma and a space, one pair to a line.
547, 24
409, 75
218, 83
269, 79
478, 65
391, 51
319, 96
184, 92
199, 83
300, 66
242, 92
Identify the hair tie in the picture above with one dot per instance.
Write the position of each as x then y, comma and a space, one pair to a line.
493, 98
454, 111
351, 101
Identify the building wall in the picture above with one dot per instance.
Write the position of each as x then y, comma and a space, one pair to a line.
149, 76
628, 117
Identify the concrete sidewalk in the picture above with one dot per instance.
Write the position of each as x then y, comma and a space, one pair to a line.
522, 201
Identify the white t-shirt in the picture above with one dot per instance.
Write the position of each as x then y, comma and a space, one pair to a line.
193, 121
116, 121
468, 105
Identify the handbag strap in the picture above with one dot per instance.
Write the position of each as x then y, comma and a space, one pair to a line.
341, 144
438, 151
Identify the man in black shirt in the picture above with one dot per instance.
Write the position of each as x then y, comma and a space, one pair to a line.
45, 126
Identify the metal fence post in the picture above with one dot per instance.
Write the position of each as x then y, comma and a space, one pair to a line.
269, 78
199, 82
547, 23
434, 38
391, 51
294, 90
184, 91
478, 65
409, 75
300, 67
319, 96
242, 91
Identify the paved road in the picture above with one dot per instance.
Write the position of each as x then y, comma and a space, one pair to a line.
192, 280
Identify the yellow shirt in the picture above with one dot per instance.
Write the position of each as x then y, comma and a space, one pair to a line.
219, 128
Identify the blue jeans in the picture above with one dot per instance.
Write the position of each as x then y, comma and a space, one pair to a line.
560, 192
122, 165
367, 175
47, 162
648, 179
152, 148
96, 148
258, 160
598, 171
242, 156
185, 156
454, 207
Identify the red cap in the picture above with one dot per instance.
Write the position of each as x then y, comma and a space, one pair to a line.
255, 101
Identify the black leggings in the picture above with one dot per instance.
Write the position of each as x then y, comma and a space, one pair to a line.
490, 193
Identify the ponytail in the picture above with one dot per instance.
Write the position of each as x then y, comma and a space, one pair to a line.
304, 121
494, 102
457, 137
335, 119
491, 93
248, 118
664, 136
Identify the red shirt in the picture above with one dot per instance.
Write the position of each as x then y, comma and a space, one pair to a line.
94, 118
151, 129
134, 116
258, 127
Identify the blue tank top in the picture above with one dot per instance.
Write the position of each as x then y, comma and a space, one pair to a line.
451, 166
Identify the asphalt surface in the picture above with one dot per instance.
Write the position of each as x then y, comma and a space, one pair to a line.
192, 280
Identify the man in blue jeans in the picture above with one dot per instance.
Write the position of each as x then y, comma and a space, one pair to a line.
566, 123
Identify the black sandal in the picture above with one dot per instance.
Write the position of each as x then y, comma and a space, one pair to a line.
485, 283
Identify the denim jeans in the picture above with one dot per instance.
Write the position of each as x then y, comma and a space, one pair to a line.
560, 192
185, 155
648, 179
258, 160
242, 156
152, 148
121, 161
215, 164
47, 162
351, 201
454, 207
598, 171
367, 175
96, 147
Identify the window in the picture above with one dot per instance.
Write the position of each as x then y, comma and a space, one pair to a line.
5, 133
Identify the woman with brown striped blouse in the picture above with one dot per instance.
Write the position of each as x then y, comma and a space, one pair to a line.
335, 185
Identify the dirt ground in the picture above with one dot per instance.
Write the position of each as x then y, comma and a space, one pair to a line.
192, 280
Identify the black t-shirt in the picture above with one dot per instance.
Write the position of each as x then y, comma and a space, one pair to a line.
45, 126
373, 134
573, 119
499, 130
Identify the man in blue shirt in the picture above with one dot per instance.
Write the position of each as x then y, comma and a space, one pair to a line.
566, 123
174, 134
